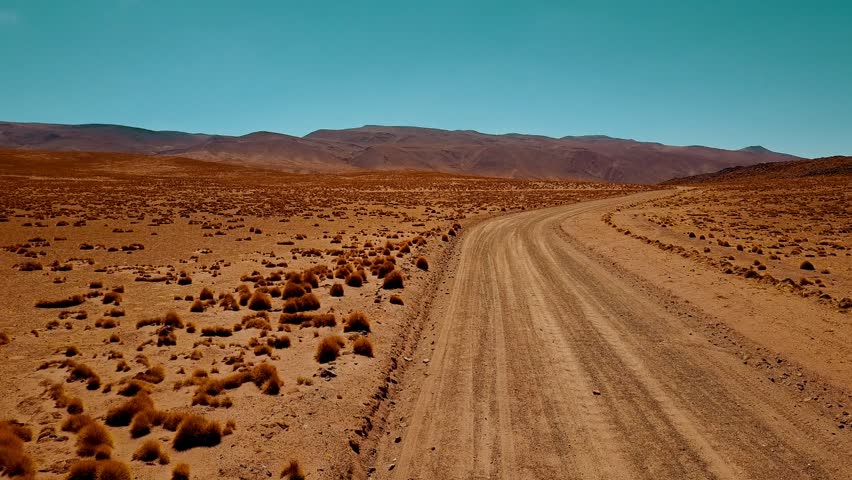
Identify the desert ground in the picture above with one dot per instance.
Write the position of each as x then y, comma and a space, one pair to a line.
174, 318
199, 320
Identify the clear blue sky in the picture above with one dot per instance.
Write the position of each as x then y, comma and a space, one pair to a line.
722, 73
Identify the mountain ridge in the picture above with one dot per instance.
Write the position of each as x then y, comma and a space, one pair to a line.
377, 147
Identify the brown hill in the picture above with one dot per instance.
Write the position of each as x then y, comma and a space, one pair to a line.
403, 148
820, 167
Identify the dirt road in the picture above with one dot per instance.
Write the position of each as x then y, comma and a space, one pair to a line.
545, 364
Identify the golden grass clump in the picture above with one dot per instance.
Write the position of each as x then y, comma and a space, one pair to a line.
293, 471
356, 322
196, 431
14, 461
99, 470
112, 298
196, 307
74, 423
292, 290
422, 263
355, 279
336, 290
150, 451
329, 348
306, 302
206, 294
71, 301
180, 472
94, 440
265, 376
362, 346
260, 301
122, 414
396, 300
393, 280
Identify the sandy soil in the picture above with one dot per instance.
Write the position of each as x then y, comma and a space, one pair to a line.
138, 243
565, 347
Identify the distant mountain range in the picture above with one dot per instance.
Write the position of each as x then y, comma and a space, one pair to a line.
403, 148
819, 167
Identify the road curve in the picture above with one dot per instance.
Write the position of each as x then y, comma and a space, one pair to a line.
548, 365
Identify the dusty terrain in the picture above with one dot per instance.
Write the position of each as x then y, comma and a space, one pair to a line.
173, 314
564, 346
389, 148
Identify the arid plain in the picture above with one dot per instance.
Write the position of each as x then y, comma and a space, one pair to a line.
176, 318
264, 315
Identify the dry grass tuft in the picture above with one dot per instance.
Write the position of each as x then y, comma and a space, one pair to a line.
329, 348
99, 470
396, 300
362, 346
150, 451
260, 301
72, 301
180, 472
292, 290
336, 290
356, 322
196, 431
304, 303
354, 279
265, 376
422, 263
122, 414
806, 265
393, 280
94, 440
14, 461
292, 471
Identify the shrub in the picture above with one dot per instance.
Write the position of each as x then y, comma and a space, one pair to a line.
292, 290
155, 374
149, 451
260, 301
196, 307
362, 346
292, 471
4, 338
71, 301
329, 348
279, 342
172, 319
422, 263
396, 300
94, 440
180, 472
356, 322
74, 406
14, 461
112, 297
74, 423
196, 431
336, 290
354, 279
142, 423
306, 302
99, 470
806, 265
393, 280
105, 323
228, 302
215, 332
265, 376
121, 415
206, 294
